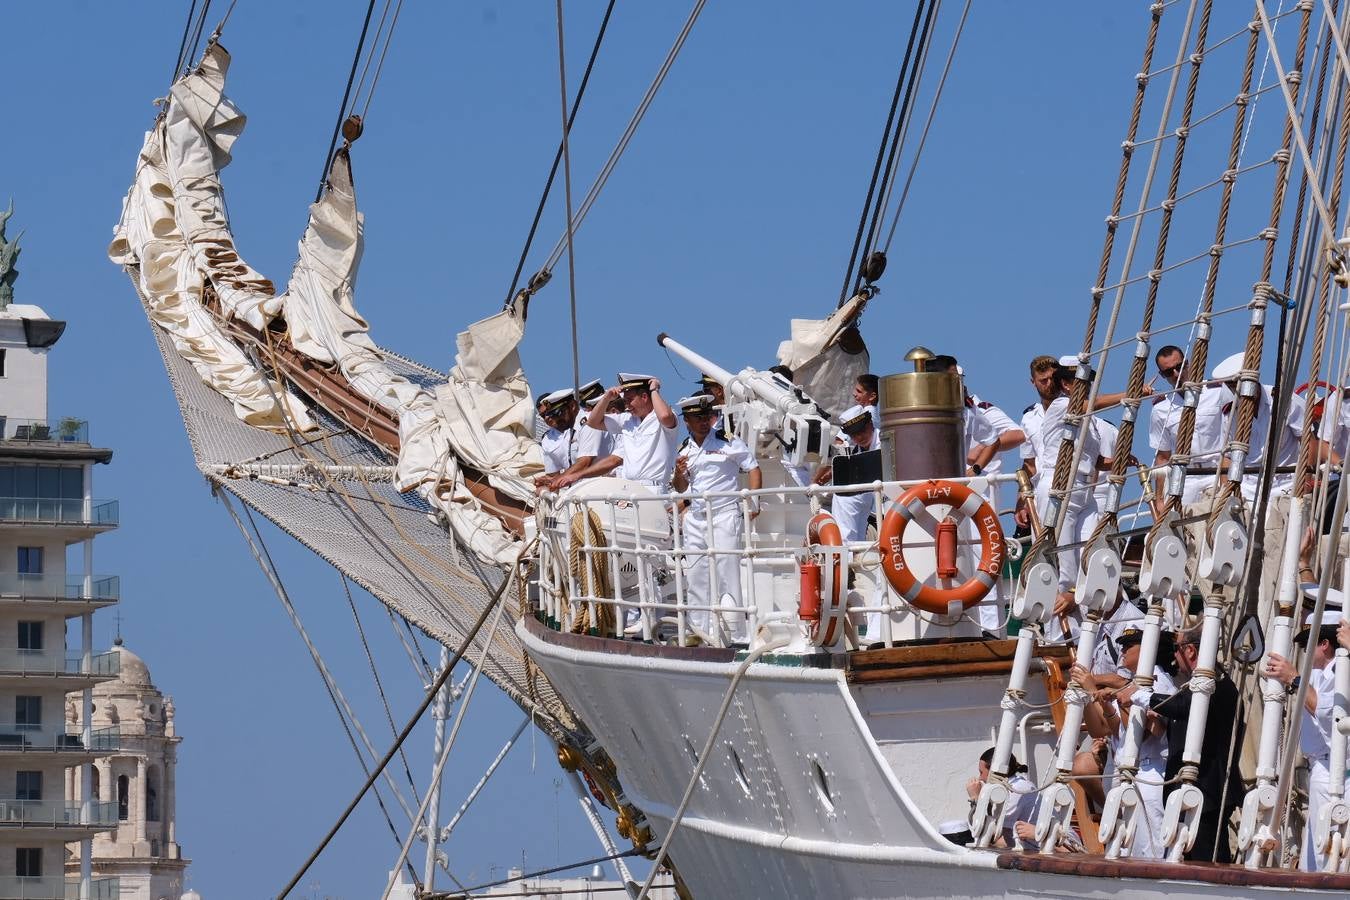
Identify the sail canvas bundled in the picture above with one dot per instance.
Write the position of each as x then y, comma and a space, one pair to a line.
174, 226
827, 355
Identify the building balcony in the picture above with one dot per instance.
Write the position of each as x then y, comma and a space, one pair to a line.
99, 590
84, 514
56, 887
58, 814
51, 664
23, 738
66, 430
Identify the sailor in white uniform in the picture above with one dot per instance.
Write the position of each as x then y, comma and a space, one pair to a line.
594, 443
851, 510
559, 443
644, 436
1081, 503
1227, 372
1045, 379
1148, 842
710, 460
1318, 731
1164, 420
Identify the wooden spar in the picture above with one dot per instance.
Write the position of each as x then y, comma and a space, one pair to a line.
326, 388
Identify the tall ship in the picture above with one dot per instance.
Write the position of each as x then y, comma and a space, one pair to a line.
811, 651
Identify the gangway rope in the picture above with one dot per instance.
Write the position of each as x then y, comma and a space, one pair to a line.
428, 697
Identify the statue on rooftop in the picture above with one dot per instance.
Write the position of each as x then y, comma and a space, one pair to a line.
9, 256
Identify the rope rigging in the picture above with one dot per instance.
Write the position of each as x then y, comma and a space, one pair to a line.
922, 17
346, 96
557, 160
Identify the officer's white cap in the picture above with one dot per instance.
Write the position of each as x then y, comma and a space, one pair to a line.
630, 380
1228, 369
1069, 360
697, 401
855, 417
556, 397
1329, 617
1335, 599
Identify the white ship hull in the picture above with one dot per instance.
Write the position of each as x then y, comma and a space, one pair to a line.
818, 787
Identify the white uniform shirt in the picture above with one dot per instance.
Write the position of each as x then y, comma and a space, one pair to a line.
1106, 655
1163, 418
594, 442
1032, 418
1153, 748
1314, 739
560, 449
1291, 435
1107, 432
1002, 424
715, 465
1054, 428
646, 446
1206, 444
976, 430
1335, 424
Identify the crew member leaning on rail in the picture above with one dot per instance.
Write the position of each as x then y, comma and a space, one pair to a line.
644, 436
710, 460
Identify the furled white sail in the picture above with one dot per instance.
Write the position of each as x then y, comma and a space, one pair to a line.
149, 238
827, 355
176, 228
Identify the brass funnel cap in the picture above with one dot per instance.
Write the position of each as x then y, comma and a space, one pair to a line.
919, 355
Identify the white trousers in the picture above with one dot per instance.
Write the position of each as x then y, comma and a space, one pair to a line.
718, 584
1319, 795
1148, 842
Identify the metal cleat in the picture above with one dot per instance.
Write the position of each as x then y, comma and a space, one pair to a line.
1179, 817
1053, 820
1036, 600
1119, 819
1223, 560
986, 820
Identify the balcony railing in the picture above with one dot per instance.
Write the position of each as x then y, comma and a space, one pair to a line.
59, 587
56, 887
57, 814
58, 511
41, 662
65, 430
21, 737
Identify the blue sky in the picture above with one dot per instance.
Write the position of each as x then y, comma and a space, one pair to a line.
733, 211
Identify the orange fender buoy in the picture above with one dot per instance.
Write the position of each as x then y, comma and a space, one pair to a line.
823, 615
965, 504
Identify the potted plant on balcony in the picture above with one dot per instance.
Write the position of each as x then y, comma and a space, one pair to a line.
69, 428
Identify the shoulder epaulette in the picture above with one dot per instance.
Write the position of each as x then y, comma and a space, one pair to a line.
684, 443
985, 404
721, 435
1028, 409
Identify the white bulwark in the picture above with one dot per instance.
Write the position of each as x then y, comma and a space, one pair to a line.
49, 589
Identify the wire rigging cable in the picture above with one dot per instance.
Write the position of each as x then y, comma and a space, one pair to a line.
567, 191
346, 96
557, 157
627, 136
919, 24
923, 136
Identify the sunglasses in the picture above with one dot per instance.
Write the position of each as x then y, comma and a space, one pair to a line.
705, 414
1171, 370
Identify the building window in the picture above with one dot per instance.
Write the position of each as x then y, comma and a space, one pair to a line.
2, 363
27, 713
27, 785
30, 636
30, 560
95, 786
28, 862
44, 482
152, 794
123, 807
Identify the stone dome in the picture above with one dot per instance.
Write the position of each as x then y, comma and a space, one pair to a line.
133, 670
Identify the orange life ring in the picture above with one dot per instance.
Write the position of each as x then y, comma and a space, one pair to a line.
822, 619
964, 503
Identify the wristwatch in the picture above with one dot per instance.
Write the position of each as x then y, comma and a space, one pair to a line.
976, 468
1293, 685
